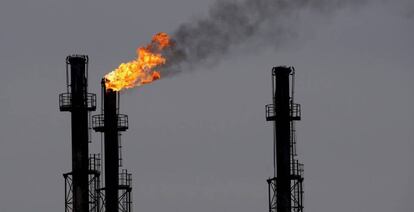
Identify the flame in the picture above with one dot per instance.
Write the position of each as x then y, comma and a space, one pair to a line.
163, 40
141, 70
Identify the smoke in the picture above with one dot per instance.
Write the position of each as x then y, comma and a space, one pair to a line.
231, 23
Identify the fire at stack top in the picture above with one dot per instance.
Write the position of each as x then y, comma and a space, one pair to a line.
79, 102
111, 123
285, 188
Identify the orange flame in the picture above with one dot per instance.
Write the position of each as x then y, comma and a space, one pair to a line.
141, 70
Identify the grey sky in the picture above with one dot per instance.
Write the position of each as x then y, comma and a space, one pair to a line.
199, 141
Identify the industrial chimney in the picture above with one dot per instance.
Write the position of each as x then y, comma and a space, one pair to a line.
79, 102
285, 187
117, 185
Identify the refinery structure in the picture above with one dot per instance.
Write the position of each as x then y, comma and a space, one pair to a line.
286, 185
91, 186
98, 182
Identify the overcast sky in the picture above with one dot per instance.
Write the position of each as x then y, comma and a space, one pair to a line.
199, 141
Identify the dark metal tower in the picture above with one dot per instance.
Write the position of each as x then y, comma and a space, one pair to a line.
79, 102
286, 185
117, 191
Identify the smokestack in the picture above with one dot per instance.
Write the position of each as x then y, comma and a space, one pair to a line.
111, 123
285, 188
282, 102
111, 149
79, 102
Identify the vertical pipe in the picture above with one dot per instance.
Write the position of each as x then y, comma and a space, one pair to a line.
79, 134
274, 124
269, 195
65, 193
111, 150
282, 110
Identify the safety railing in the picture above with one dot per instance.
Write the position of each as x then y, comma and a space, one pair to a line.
66, 103
295, 112
98, 122
125, 178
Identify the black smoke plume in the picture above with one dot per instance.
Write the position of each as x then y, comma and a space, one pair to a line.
231, 23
